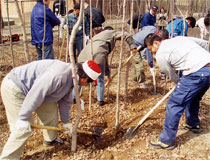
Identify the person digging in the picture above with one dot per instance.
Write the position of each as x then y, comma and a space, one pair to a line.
43, 87
183, 54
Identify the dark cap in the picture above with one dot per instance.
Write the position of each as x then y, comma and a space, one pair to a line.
77, 6
155, 8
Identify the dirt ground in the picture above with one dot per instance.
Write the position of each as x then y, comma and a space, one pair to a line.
114, 145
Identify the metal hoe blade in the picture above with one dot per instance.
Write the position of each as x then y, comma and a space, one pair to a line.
97, 131
130, 132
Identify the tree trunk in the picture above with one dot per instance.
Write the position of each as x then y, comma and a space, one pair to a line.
1, 24
119, 69
10, 35
74, 76
91, 49
24, 32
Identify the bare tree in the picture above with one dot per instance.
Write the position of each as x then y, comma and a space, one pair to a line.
119, 69
79, 112
10, 35
24, 32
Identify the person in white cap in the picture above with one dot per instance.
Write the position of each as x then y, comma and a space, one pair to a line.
43, 87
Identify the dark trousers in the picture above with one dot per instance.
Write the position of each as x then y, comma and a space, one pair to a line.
48, 52
186, 96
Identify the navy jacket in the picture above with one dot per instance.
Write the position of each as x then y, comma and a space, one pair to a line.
37, 24
148, 20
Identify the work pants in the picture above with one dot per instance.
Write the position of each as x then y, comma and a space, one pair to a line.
13, 99
187, 95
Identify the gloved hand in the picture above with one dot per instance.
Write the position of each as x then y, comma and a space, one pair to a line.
152, 70
22, 125
69, 126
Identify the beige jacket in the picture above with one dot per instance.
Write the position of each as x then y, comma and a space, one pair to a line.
103, 44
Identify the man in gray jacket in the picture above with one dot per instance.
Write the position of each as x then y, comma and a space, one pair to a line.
103, 44
43, 87
191, 57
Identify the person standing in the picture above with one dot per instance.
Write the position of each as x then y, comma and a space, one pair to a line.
44, 87
149, 19
183, 54
162, 18
72, 20
41, 33
103, 45
178, 26
59, 9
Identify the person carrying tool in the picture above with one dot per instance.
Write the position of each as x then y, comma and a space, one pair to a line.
178, 26
183, 54
43, 87
103, 45
137, 63
39, 32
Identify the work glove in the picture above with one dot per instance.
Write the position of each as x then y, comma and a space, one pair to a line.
22, 125
68, 126
152, 70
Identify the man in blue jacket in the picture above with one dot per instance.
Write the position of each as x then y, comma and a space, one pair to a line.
149, 19
39, 33
178, 26
72, 20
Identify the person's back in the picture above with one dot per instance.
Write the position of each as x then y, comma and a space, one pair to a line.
97, 16
140, 36
38, 29
180, 26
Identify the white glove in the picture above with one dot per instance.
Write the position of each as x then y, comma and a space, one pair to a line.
69, 126
152, 70
22, 125
82, 102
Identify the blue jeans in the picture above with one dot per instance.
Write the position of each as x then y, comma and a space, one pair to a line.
186, 96
48, 52
100, 84
78, 45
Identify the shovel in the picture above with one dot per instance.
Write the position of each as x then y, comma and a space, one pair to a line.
96, 130
132, 132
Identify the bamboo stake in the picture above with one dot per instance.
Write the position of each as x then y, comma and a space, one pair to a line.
119, 69
67, 31
10, 34
91, 50
1, 24
74, 76
44, 32
24, 32
127, 67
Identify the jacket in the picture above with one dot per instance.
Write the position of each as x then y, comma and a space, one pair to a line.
42, 82
148, 20
72, 18
178, 27
103, 44
37, 24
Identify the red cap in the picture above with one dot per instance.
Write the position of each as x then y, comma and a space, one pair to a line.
92, 69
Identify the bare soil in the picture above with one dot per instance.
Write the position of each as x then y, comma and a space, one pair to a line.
113, 144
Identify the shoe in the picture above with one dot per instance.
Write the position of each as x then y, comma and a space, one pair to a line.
101, 103
163, 76
143, 85
56, 142
159, 145
74, 101
195, 129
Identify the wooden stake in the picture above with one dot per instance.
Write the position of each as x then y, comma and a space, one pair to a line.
74, 76
119, 69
